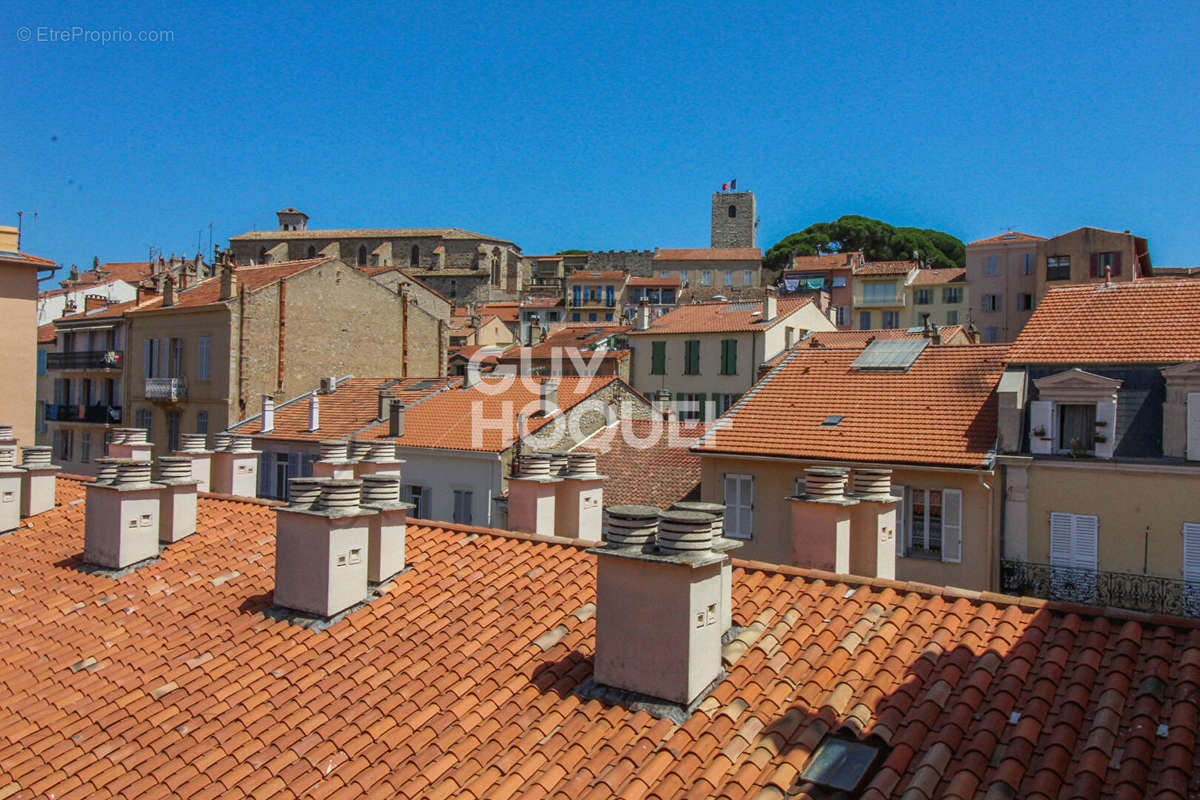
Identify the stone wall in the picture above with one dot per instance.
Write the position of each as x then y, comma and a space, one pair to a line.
638, 262
738, 230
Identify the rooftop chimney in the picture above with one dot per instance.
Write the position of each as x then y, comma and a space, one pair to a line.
535, 330
193, 447
321, 546
268, 413
221, 441
314, 412
559, 459
228, 281
471, 376
720, 545
168, 298
821, 521
662, 401
579, 498
235, 469
357, 451
10, 491
385, 542
8, 441
658, 606
873, 526
382, 460
531, 496
548, 392
335, 462
770, 304
121, 523
177, 499
92, 302
130, 443
395, 419
641, 317
37, 482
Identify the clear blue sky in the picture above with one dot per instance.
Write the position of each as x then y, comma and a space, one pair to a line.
604, 126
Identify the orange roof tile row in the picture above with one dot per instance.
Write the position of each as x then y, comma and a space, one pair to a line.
825, 260
941, 411
886, 268
172, 682
668, 282
16, 257
710, 254
647, 461
586, 275
951, 334
1141, 321
47, 333
721, 317
925, 277
208, 292
1005, 238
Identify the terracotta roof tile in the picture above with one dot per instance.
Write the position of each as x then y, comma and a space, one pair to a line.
941, 411
721, 317
47, 333
208, 292
1004, 238
825, 260
588, 275
710, 254
927, 277
16, 257
886, 268
634, 449
1149, 322
641, 280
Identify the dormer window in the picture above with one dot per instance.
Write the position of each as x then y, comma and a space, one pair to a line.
1075, 414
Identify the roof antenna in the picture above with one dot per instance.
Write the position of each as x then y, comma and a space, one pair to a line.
20, 224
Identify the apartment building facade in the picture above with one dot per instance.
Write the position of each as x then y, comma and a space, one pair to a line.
705, 273
596, 295
830, 273
939, 296
1091, 255
878, 294
1002, 273
19, 274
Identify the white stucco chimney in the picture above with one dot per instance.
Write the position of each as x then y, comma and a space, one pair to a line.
770, 304
121, 522
641, 317
382, 460
579, 499
719, 545
314, 412
268, 413
193, 447
177, 498
335, 461
548, 394
873, 525
531, 495
472, 375
821, 521
658, 608
8, 441
385, 540
235, 469
10, 491
37, 480
321, 547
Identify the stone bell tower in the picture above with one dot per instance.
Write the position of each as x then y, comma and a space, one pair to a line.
734, 219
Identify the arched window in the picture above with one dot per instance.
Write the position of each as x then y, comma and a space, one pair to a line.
312, 251
732, 212
414, 257
362, 255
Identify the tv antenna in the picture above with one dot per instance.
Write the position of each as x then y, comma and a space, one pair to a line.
21, 224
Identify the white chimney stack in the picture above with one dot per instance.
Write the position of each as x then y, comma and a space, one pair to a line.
235, 469
177, 499
549, 396
10, 490
321, 547
385, 540
641, 317
658, 607
382, 460
335, 462
720, 545
37, 480
472, 375
531, 496
121, 523
192, 446
770, 304
8, 441
314, 412
579, 499
821, 521
873, 527
268, 413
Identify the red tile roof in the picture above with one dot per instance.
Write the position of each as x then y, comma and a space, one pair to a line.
47, 333
927, 277
886, 268
131, 272
17, 257
669, 282
633, 450
721, 317
825, 260
450, 420
111, 311
951, 334
941, 411
507, 312
459, 681
352, 406
1148, 322
208, 292
467, 351
710, 254
584, 335
588, 275
1005, 238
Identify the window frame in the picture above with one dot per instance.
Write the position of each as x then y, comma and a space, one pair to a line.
1059, 265
691, 357
734, 510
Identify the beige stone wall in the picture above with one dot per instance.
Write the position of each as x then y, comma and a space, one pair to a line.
1010, 281
18, 349
1079, 245
938, 309
429, 344
775, 480
1140, 509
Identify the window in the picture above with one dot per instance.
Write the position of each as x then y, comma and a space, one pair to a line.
991, 334
609, 299
312, 251
879, 292
85, 447
1191, 569
150, 366
952, 294
728, 356
1102, 262
1027, 265
666, 273
362, 255
201, 422
842, 764
608, 317
934, 524
732, 212
864, 320
952, 317
175, 356
1074, 556
789, 336
891, 319
691, 406
1024, 302
668, 296
174, 423
1058, 268
706, 277
839, 281
420, 497
576, 295
747, 277
203, 350
1076, 427
658, 358
691, 357
41, 362
841, 316
143, 419
724, 402
739, 506
729, 277
924, 297
575, 317
993, 266
453, 288
592, 317
462, 506
66, 444
414, 256
991, 302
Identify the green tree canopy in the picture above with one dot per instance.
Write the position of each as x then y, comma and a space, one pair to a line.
572, 252
877, 240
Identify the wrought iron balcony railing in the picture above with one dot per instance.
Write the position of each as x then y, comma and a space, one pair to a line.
105, 415
86, 359
168, 390
1149, 593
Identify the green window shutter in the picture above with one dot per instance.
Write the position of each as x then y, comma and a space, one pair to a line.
692, 357
703, 414
658, 358
724, 356
729, 356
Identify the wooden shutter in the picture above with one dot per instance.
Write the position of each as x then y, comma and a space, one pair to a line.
1106, 412
952, 525
202, 358
732, 370
658, 358
1084, 541
147, 358
1191, 552
898, 492
1193, 426
1061, 534
1094, 267
1116, 264
1041, 416
739, 502
266, 474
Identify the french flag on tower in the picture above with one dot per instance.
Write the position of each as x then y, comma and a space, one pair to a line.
729, 187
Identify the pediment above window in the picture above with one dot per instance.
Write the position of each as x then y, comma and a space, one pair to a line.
1076, 384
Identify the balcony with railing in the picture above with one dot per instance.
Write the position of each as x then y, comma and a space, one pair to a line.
102, 415
166, 390
1149, 593
86, 359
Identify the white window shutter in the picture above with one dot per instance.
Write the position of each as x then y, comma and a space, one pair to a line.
1193, 426
952, 525
266, 474
1041, 418
1106, 412
1061, 553
748, 505
1085, 541
901, 520
1191, 552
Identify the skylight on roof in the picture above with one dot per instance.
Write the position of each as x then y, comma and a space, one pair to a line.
832, 421
890, 354
422, 386
841, 764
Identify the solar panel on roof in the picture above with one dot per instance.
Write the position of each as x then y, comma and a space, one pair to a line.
422, 386
890, 354
742, 307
